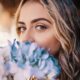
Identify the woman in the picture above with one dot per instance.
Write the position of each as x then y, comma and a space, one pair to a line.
55, 25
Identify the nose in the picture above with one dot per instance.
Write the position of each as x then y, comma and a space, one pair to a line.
28, 36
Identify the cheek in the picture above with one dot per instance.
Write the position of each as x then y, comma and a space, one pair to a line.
22, 38
54, 46
49, 42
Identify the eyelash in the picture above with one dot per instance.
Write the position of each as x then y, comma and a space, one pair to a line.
41, 27
21, 29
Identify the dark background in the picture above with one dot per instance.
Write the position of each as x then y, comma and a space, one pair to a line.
77, 3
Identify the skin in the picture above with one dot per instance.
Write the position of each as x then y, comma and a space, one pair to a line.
36, 25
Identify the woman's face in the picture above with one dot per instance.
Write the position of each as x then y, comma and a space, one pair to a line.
35, 25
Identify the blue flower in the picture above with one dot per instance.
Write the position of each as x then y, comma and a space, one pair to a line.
34, 58
31, 54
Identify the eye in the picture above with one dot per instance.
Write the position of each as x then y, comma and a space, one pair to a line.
21, 29
41, 27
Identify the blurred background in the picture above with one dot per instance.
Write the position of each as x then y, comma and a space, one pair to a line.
7, 13
77, 3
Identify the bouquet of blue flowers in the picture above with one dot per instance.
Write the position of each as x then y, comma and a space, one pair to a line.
27, 61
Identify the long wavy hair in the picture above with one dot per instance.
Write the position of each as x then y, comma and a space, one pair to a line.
67, 29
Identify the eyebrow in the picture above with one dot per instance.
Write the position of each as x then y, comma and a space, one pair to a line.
35, 20
21, 22
40, 19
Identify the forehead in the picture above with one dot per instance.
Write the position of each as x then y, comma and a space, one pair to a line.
33, 10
